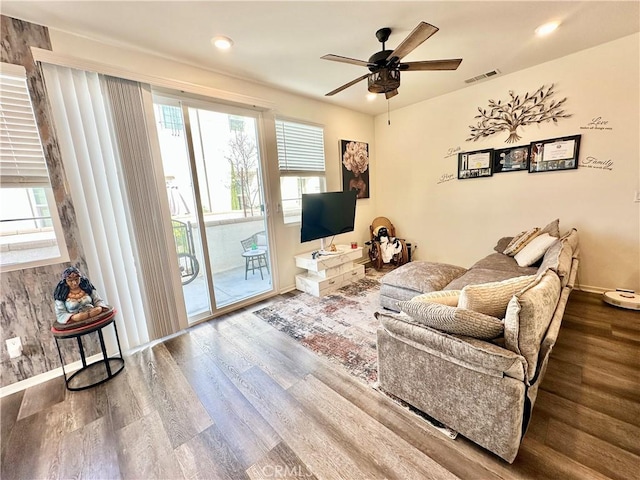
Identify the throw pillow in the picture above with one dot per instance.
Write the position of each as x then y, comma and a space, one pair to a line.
261, 241
443, 297
534, 250
551, 258
454, 320
502, 244
519, 241
552, 229
492, 298
558, 256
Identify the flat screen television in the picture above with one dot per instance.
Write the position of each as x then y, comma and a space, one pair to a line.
327, 214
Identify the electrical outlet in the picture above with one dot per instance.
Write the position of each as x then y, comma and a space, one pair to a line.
14, 347
637, 197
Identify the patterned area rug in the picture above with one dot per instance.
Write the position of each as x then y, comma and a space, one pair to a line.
340, 326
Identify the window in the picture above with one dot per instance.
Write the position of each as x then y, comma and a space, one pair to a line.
301, 163
30, 231
171, 119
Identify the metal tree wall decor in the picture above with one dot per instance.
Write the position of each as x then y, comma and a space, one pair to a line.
517, 112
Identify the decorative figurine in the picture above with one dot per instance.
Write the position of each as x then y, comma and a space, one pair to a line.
76, 299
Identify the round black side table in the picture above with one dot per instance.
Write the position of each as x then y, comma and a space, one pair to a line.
101, 370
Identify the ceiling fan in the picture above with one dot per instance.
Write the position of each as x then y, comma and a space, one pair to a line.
385, 66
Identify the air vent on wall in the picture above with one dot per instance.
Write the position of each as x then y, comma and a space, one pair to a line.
483, 76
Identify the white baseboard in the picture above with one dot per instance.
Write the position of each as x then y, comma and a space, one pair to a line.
288, 289
592, 289
46, 376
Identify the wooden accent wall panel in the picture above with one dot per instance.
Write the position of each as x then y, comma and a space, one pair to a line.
26, 296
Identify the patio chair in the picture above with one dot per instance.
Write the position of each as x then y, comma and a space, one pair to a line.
257, 240
255, 253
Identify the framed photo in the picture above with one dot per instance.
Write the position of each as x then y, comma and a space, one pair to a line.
555, 154
512, 159
475, 164
354, 157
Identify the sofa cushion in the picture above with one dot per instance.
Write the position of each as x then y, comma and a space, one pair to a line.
422, 277
560, 255
492, 298
444, 297
534, 250
390, 296
520, 240
448, 319
484, 275
528, 316
498, 261
570, 244
464, 351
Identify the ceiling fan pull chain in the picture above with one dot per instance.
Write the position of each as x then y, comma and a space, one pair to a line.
388, 114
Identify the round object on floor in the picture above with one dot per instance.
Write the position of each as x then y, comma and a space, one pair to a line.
622, 299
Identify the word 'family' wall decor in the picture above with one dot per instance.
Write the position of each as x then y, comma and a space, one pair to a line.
517, 111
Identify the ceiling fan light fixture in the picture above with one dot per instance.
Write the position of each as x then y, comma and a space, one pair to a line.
547, 28
383, 81
221, 42
371, 96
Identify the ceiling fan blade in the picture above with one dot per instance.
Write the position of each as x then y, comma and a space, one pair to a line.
346, 85
451, 64
390, 94
338, 58
415, 38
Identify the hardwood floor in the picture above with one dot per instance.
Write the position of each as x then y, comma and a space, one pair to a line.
236, 399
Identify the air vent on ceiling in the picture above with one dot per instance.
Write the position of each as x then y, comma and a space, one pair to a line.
483, 76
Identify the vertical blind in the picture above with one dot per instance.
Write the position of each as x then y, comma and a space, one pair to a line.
91, 162
300, 148
22, 162
145, 197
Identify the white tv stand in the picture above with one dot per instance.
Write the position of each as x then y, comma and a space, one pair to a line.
327, 273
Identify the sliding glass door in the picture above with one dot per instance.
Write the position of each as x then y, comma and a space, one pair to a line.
213, 172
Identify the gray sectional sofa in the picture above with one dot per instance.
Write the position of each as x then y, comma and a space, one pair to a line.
469, 347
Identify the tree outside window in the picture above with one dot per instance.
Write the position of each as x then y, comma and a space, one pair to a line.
245, 186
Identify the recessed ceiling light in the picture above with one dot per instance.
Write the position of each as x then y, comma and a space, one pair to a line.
222, 42
547, 28
372, 96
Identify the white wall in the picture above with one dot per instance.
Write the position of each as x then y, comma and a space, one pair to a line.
459, 221
339, 123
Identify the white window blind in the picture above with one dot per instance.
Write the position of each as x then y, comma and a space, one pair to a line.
301, 163
30, 231
22, 162
300, 148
